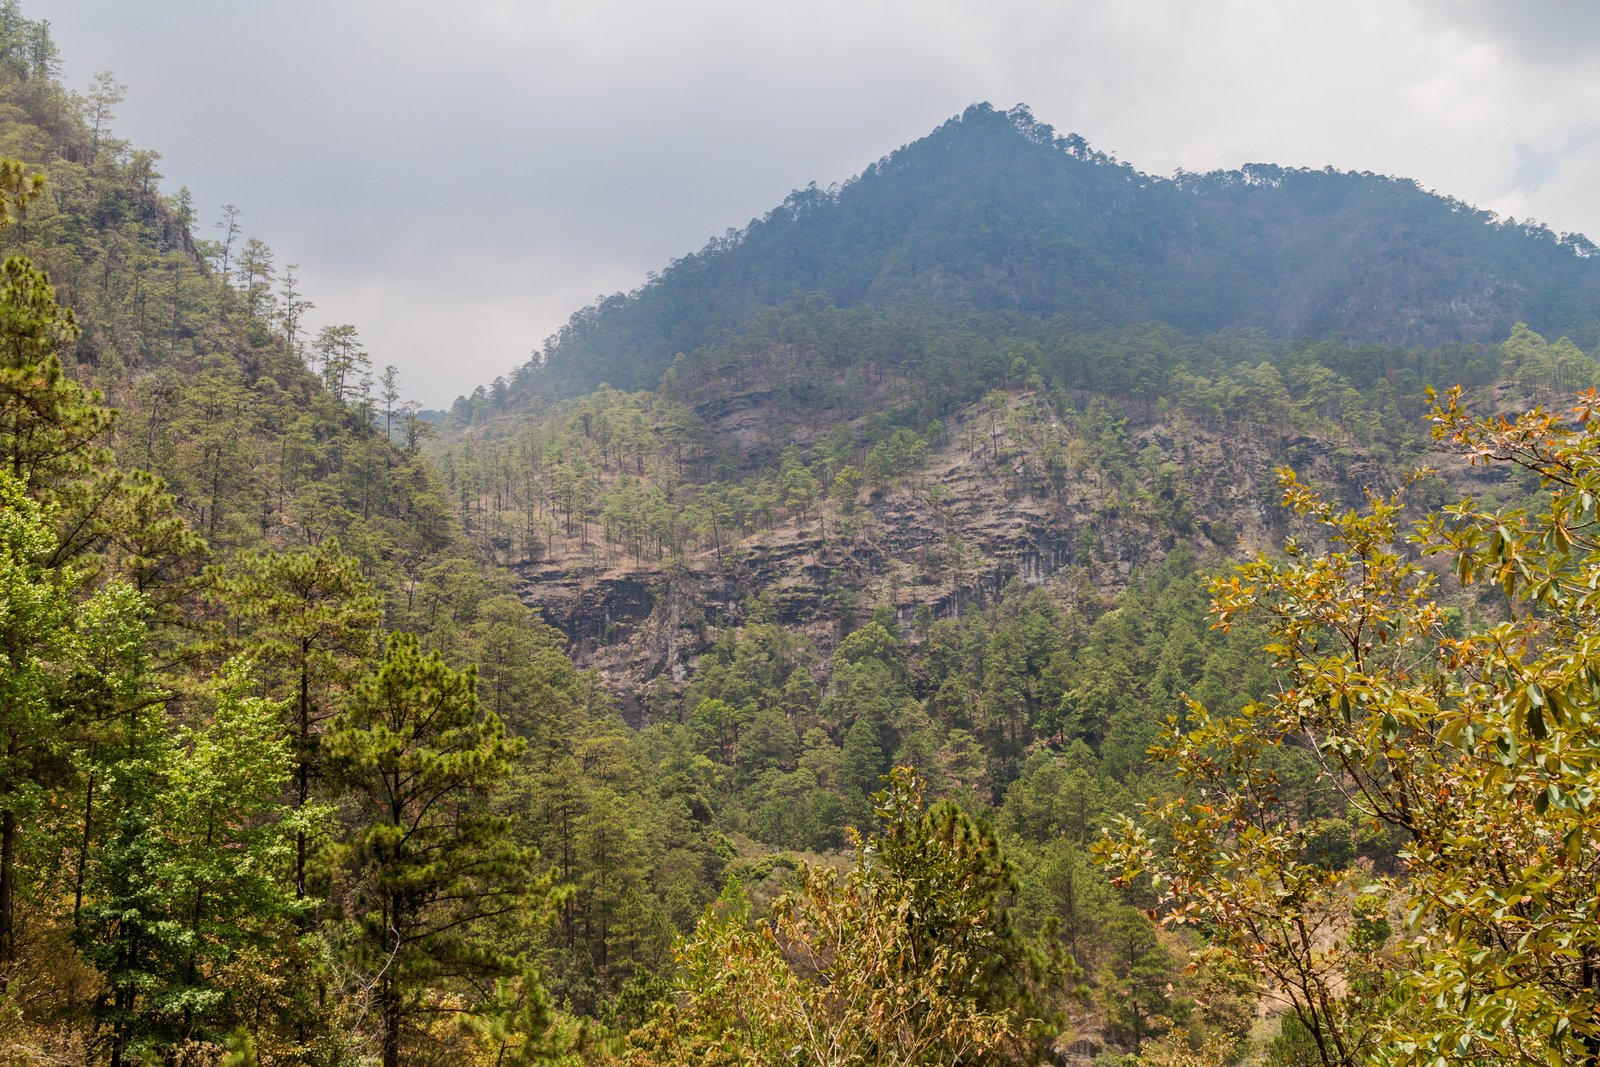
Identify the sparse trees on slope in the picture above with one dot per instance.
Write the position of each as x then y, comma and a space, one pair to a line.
343, 358
255, 280
102, 103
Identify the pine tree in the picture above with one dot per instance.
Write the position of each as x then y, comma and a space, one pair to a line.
48, 423
425, 870
910, 958
310, 619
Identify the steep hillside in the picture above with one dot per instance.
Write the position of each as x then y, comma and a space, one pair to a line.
907, 490
1025, 487
993, 212
833, 461
264, 436
251, 519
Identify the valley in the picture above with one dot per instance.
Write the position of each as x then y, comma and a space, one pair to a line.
1006, 608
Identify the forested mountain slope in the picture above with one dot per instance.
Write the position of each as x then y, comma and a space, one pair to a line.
216, 533
840, 533
828, 461
994, 212
898, 573
849, 540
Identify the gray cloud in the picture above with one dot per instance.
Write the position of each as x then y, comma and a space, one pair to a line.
457, 183
1540, 31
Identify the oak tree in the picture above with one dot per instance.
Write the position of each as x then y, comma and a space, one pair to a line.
1479, 749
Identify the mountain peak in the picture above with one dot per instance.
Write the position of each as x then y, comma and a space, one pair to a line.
995, 212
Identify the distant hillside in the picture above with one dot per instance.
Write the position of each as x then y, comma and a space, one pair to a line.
995, 213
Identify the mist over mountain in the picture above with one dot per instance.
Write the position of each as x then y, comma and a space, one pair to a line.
994, 213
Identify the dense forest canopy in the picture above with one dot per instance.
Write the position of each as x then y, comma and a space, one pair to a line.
862, 676
995, 212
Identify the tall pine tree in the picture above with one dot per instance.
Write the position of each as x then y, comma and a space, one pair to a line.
425, 871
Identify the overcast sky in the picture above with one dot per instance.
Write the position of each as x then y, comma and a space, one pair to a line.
456, 180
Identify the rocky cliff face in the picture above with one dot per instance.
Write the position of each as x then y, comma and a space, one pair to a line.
1006, 493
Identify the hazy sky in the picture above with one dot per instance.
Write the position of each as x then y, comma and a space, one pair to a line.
457, 179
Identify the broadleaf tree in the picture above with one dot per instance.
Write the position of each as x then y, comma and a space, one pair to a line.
909, 958
1479, 747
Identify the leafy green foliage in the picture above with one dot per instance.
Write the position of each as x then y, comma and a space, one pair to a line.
39, 643
909, 958
188, 878
1475, 748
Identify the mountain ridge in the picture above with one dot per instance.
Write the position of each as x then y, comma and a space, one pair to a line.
995, 214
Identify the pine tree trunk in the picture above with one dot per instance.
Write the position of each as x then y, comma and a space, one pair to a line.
8, 878
391, 1023
390, 989
303, 779
8, 855
83, 849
